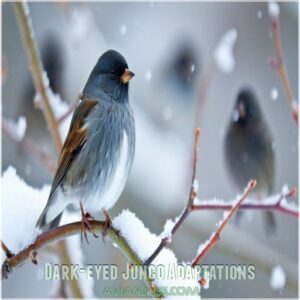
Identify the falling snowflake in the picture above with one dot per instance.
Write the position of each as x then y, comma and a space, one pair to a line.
259, 14
274, 94
148, 75
123, 29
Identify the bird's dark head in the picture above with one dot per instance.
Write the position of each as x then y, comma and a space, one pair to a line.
246, 109
110, 76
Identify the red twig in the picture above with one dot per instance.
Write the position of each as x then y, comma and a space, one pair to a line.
166, 241
216, 236
254, 205
4, 68
5, 249
279, 65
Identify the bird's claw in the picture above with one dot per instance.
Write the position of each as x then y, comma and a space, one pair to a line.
86, 219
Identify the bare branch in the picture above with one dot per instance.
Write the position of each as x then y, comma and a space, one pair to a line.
216, 236
166, 241
36, 68
204, 84
6, 251
279, 65
4, 68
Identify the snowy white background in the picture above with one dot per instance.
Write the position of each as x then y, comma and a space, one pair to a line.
149, 35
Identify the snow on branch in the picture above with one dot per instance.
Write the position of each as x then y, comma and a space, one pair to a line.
23, 204
62, 112
277, 202
143, 243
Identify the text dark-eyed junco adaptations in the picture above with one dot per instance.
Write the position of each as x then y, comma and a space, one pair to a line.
248, 149
98, 152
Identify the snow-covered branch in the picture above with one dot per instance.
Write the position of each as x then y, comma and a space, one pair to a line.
277, 202
126, 234
62, 232
278, 63
208, 245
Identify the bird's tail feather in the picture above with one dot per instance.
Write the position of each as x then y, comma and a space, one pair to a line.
43, 226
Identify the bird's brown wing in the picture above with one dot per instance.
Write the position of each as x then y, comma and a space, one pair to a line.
75, 140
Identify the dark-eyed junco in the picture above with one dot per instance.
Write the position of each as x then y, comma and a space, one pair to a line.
98, 152
248, 149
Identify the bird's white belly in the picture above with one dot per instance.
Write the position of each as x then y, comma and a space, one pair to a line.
105, 199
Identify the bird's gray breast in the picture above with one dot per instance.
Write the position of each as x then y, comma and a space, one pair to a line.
102, 167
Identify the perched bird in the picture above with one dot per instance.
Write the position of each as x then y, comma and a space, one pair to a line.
98, 152
248, 150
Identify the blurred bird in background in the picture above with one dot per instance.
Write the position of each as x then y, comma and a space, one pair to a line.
175, 87
248, 150
182, 70
98, 152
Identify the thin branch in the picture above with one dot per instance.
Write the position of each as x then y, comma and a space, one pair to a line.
204, 84
4, 68
193, 194
6, 251
29, 147
260, 205
70, 110
68, 230
36, 67
279, 65
216, 236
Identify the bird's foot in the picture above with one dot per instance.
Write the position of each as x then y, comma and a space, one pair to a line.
86, 219
107, 224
